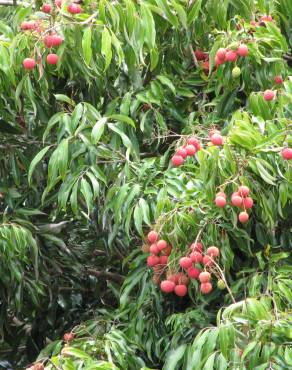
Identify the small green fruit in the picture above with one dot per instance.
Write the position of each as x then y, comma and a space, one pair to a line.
236, 72
221, 285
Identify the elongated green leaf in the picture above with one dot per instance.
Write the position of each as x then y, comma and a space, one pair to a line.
35, 161
98, 130
106, 47
86, 45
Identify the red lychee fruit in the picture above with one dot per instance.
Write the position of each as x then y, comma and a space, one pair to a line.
180, 290
213, 251
152, 236
206, 288
243, 191
185, 262
29, 64
287, 153
269, 95
177, 160
243, 217
242, 50
167, 286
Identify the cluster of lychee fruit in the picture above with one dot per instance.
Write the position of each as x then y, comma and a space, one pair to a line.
190, 266
240, 198
52, 39
188, 150
228, 55
193, 145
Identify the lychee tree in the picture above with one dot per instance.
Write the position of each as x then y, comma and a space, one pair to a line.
146, 183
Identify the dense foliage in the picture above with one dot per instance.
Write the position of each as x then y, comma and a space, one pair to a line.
89, 126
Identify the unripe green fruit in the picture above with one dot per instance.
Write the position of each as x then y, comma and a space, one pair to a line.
236, 72
221, 285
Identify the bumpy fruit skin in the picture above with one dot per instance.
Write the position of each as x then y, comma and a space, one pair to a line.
46, 8
213, 251
180, 290
243, 217
204, 277
242, 50
182, 152
221, 54
173, 278
68, 337
152, 261
167, 250
185, 262
218, 61
161, 244
196, 257
247, 203
167, 286
177, 160
163, 260
287, 154
58, 3
193, 141
236, 200
152, 236
52, 58
193, 272
197, 247
243, 190
28, 64
208, 261
266, 18
220, 202
154, 249
221, 284
53, 40
216, 139
201, 55
182, 279
28, 25
206, 288
231, 56
206, 66
74, 8
278, 80
221, 194
236, 72
191, 150
269, 95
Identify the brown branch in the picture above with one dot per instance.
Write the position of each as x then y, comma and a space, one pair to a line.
106, 274
287, 57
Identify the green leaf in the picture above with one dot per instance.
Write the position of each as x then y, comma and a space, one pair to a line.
265, 175
86, 45
63, 158
87, 193
163, 4
35, 161
64, 99
122, 118
173, 358
106, 47
149, 25
194, 12
71, 351
98, 130
166, 81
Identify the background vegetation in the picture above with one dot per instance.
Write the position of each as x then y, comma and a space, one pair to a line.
85, 173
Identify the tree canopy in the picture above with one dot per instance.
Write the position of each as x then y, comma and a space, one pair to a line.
146, 184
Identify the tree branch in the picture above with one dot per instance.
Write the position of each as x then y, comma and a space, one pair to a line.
287, 57
106, 274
